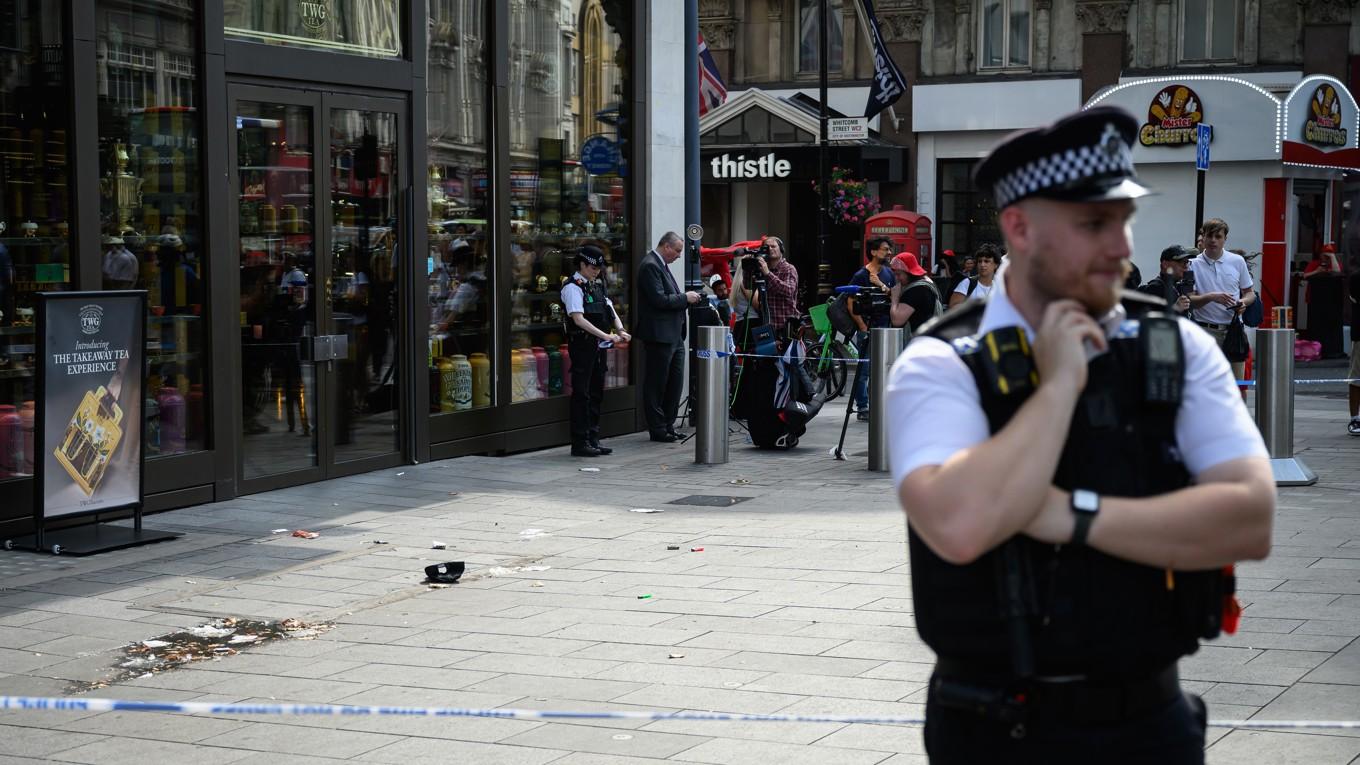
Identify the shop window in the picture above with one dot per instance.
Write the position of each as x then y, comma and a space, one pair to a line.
460, 267
1208, 30
151, 205
966, 216
809, 27
558, 203
34, 206
1004, 27
360, 27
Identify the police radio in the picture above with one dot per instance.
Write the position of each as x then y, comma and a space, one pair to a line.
1163, 360
1008, 362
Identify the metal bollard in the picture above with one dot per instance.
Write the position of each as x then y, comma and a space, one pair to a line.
710, 396
885, 344
1275, 405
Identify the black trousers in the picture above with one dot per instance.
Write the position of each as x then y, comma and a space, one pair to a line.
588, 365
665, 371
1173, 735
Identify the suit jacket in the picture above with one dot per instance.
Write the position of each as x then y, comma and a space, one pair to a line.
661, 303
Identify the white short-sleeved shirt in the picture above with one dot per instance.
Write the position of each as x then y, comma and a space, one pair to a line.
936, 411
1227, 274
573, 299
980, 292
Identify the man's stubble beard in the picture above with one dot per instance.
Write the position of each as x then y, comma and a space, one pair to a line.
1042, 281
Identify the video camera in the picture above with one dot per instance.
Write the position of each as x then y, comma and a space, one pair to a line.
752, 278
1186, 284
871, 303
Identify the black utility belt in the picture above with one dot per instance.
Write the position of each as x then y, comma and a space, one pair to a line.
1211, 325
1073, 700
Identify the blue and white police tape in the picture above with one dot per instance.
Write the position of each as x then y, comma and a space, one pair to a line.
1329, 381
40, 704
704, 353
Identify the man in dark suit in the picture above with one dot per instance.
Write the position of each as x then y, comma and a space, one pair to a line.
661, 328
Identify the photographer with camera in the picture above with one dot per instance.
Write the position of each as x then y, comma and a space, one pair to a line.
876, 282
781, 280
1175, 282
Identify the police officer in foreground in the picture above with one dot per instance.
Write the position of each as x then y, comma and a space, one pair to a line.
592, 326
1078, 474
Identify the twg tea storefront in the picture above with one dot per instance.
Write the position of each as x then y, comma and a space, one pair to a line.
351, 219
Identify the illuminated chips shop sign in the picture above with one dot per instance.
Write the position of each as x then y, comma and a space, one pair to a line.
1172, 117
1323, 126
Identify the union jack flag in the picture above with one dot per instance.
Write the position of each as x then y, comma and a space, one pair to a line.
712, 91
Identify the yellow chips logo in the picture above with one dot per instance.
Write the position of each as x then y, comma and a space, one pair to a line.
1324, 120
1172, 117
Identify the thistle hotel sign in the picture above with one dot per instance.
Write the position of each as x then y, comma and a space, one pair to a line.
724, 167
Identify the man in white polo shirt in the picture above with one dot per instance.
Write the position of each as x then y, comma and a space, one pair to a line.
1223, 286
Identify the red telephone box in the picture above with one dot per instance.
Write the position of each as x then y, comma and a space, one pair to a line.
909, 232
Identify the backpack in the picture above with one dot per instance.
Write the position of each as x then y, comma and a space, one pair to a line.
939, 307
972, 285
838, 312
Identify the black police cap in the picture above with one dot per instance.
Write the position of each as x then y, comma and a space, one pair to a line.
1083, 157
591, 254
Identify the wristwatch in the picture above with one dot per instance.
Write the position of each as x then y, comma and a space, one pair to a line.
1085, 505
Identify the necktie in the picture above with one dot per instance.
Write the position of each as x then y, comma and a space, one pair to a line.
669, 276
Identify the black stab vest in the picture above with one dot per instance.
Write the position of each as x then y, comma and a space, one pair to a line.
1085, 612
593, 307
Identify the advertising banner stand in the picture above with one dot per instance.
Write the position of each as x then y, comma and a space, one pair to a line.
88, 430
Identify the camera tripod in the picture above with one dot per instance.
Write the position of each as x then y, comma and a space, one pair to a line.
839, 452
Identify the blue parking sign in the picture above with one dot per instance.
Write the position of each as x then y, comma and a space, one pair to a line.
1203, 134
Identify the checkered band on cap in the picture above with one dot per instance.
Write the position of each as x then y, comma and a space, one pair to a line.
1110, 156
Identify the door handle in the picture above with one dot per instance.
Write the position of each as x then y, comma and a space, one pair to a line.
329, 295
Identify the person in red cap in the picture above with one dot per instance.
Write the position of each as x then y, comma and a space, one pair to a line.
915, 298
1325, 299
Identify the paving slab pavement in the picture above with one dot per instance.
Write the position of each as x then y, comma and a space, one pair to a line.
799, 602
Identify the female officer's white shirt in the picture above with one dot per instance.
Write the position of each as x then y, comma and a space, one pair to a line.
935, 411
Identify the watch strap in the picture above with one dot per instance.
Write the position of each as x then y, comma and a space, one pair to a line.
1082, 528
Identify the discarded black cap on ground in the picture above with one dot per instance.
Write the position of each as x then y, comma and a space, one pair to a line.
445, 573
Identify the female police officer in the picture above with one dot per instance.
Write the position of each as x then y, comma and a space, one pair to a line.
1077, 469
592, 324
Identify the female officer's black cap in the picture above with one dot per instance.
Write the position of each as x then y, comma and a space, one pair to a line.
591, 254
1083, 157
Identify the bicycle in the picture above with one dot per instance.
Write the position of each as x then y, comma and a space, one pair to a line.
826, 357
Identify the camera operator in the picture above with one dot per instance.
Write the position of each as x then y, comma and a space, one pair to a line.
1175, 282
781, 280
874, 276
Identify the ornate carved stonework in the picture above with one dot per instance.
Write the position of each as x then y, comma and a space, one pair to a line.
775, 9
710, 8
901, 26
720, 35
1102, 16
964, 6
1043, 5
1326, 11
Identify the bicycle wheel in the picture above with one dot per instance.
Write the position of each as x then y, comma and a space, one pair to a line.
837, 369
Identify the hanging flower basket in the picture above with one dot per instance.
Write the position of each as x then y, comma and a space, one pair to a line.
850, 199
